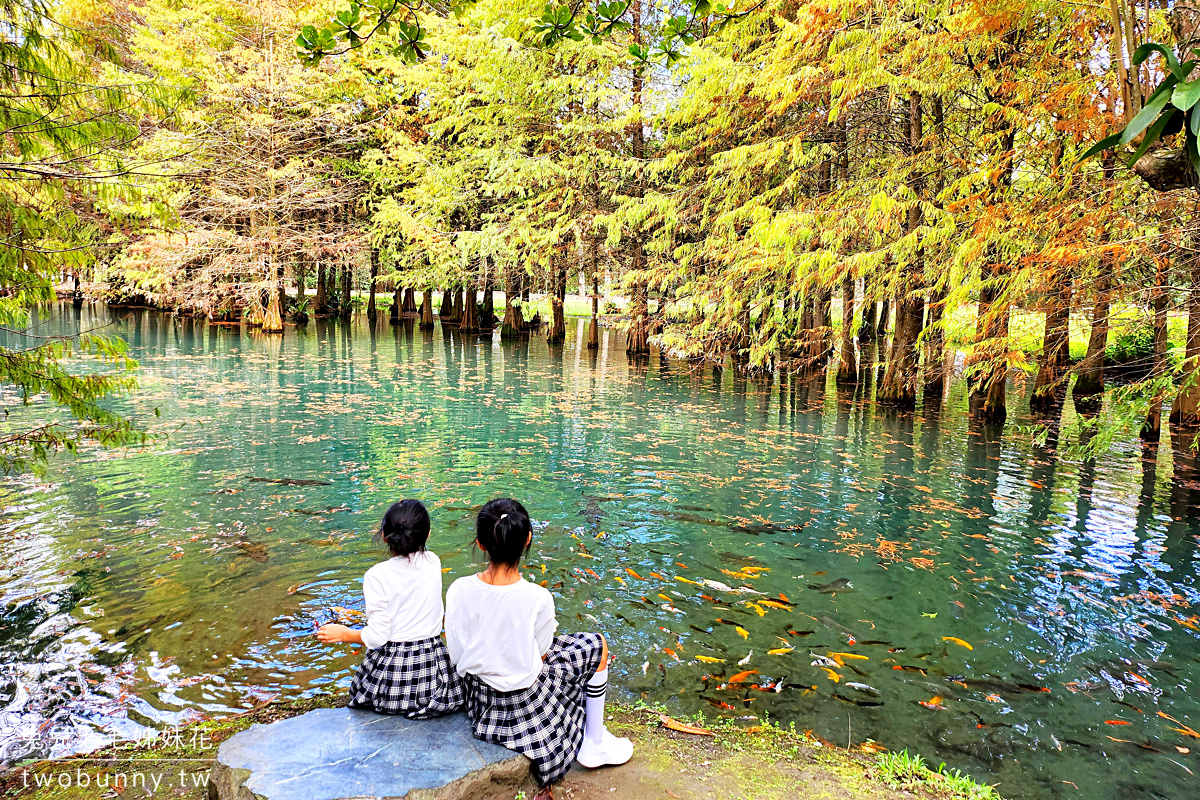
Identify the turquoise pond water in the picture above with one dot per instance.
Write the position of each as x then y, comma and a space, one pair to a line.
686, 514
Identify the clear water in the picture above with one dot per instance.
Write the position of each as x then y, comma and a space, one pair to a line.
145, 587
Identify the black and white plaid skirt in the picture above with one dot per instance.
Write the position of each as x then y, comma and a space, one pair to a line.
545, 721
415, 679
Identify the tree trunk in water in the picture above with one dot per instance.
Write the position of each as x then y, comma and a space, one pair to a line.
514, 321
900, 379
821, 327
487, 320
321, 303
427, 310
593, 342
1152, 427
987, 382
410, 301
558, 322
347, 292
1050, 386
470, 312
848, 367
935, 346
638, 342
273, 318
1185, 411
988, 364
372, 310
881, 327
460, 304
301, 279
446, 312
1090, 380
394, 314
866, 326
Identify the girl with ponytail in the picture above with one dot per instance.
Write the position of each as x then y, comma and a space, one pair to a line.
407, 669
525, 688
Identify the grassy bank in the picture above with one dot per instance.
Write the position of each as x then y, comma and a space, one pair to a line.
731, 760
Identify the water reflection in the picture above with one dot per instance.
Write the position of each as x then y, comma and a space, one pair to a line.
687, 510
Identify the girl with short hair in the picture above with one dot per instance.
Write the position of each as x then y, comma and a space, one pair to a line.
407, 669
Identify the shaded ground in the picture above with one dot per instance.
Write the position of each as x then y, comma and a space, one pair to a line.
755, 763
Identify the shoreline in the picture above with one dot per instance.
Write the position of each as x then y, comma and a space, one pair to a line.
758, 762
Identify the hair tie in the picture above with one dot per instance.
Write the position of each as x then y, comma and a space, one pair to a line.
502, 516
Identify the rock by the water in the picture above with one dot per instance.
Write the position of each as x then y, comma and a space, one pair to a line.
340, 753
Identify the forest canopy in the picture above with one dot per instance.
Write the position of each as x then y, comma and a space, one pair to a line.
771, 184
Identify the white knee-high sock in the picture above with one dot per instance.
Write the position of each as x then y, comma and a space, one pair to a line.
593, 724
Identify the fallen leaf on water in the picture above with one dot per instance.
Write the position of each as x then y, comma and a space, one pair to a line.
683, 727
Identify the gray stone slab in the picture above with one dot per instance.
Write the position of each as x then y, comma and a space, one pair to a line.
340, 753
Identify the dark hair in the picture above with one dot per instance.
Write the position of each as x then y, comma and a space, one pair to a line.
405, 528
502, 530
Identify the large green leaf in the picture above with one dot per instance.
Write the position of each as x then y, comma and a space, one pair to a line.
1139, 123
1143, 52
1102, 145
1152, 135
1186, 95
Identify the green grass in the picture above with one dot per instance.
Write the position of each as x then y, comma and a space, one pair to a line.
906, 771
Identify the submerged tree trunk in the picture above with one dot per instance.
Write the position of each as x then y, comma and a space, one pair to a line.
272, 321
371, 308
460, 303
988, 363
638, 342
935, 346
469, 323
1152, 427
410, 301
1050, 386
514, 320
558, 322
902, 376
347, 292
593, 339
446, 312
394, 313
1090, 380
866, 326
847, 374
881, 327
427, 310
487, 319
321, 302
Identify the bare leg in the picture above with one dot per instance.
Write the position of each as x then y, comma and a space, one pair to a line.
603, 653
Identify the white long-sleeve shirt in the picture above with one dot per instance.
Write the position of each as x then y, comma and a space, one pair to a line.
499, 633
404, 600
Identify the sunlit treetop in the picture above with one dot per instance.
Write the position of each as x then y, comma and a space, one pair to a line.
353, 26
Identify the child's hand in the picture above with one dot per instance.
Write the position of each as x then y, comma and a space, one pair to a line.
332, 634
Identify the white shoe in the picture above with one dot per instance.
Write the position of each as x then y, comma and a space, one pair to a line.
609, 751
